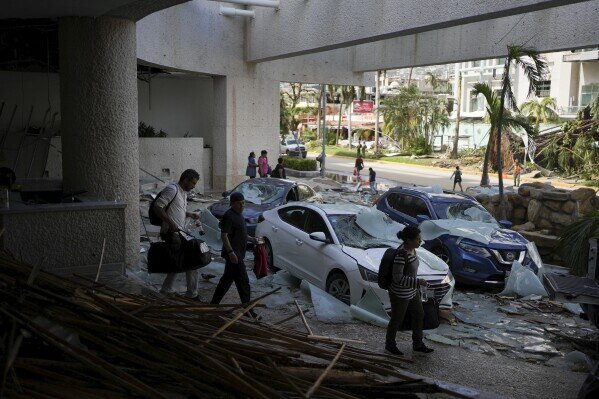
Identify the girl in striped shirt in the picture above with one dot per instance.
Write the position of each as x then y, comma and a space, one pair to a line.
404, 293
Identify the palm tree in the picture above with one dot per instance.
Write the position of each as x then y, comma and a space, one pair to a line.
346, 96
509, 122
534, 68
432, 80
542, 110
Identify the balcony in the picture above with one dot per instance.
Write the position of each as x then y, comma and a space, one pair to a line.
585, 55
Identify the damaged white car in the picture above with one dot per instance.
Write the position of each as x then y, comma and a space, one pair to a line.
338, 248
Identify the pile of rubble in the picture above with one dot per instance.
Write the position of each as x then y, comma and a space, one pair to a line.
77, 338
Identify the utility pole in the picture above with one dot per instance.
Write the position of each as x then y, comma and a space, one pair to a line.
454, 150
323, 114
377, 98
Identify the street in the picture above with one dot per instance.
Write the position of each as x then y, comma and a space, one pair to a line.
404, 173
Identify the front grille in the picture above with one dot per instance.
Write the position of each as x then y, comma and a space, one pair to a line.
505, 257
440, 288
509, 255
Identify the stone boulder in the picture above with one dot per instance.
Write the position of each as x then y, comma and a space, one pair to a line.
519, 213
528, 226
541, 240
569, 207
545, 224
553, 205
582, 194
534, 210
556, 195
560, 218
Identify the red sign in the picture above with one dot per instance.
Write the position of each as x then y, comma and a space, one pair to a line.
363, 107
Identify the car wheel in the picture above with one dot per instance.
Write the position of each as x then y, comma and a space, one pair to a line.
304, 155
287, 152
338, 286
268, 249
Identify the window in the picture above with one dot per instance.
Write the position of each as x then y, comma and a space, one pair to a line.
305, 192
476, 64
408, 205
396, 201
295, 216
474, 103
588, 94
316, 223
544, 88
419, 207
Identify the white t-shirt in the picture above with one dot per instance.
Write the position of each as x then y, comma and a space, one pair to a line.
177, 209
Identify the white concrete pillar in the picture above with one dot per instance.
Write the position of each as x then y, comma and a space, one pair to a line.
98, 90
246, 118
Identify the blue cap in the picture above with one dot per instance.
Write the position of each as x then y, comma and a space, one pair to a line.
236, 196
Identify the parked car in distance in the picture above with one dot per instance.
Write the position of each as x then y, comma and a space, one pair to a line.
291, 146
260, 195
471, 261
338, 248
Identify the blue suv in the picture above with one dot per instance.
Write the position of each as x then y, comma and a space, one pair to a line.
471, 261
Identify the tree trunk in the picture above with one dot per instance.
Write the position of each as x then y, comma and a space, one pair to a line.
502, 203
484, 181
339, 124
456, 138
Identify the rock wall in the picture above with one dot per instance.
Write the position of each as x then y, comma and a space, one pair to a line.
540, 212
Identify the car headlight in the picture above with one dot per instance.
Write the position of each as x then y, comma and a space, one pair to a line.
448, 278
252, 220
474, 249
368, 274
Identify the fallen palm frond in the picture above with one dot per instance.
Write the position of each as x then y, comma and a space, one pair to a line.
75, 338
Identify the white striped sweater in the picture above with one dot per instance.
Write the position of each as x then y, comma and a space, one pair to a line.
405, 283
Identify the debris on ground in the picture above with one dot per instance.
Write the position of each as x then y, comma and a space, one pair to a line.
78, 338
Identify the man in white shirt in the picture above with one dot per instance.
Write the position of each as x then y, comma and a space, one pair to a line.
171, 207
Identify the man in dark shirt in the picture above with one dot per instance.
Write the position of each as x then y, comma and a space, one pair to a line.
235, 238
372, 179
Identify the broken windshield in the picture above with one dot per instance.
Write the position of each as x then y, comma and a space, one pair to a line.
257, 193
352, 235
468, 211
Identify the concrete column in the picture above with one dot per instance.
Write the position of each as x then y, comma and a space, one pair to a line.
246, 118
98, 90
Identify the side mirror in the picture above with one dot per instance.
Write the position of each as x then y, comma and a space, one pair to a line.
422, 218
506, 224
225, 194
320, 237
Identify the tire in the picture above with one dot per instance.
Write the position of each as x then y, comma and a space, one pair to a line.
269, 253
304, 155
287, 152
338, 286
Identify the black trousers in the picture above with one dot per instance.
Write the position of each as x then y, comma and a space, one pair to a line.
399, 307
234, 273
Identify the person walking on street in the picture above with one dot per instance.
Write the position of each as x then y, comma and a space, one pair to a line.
263, 167
359, 148
517, 174
359, 166
457, 178
250, 171
171, 208
319, 158
279, 170
404, 292
235, 237
372, 179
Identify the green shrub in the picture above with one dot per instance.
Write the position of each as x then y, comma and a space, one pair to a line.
144, 130
420, 146
299, 163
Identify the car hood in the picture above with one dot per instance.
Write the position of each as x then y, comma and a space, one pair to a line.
488, 234
251, 210
371, 259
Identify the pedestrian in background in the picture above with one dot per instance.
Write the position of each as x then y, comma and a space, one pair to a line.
319, 158
171, 208
359, 166
250, 171
263, 167
235, 237
517, 174
457, 178
404, 292
359, 148
279, 170
372, 179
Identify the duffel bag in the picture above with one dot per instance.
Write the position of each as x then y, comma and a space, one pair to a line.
431, 316
162, 259
196, 254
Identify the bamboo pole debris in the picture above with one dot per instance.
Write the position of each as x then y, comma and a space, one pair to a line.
80, 338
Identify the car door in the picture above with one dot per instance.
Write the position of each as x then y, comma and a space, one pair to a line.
406, 207
305, 192
317, 257
287, 249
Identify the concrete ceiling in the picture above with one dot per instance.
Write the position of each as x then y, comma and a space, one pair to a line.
129, 9
303, 27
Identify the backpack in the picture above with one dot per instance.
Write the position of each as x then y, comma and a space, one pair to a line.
154, 219
386, 269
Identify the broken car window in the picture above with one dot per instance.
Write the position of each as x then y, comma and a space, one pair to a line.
468, 211
260, 193
351, 234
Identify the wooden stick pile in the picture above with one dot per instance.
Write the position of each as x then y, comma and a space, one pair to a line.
74, 338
